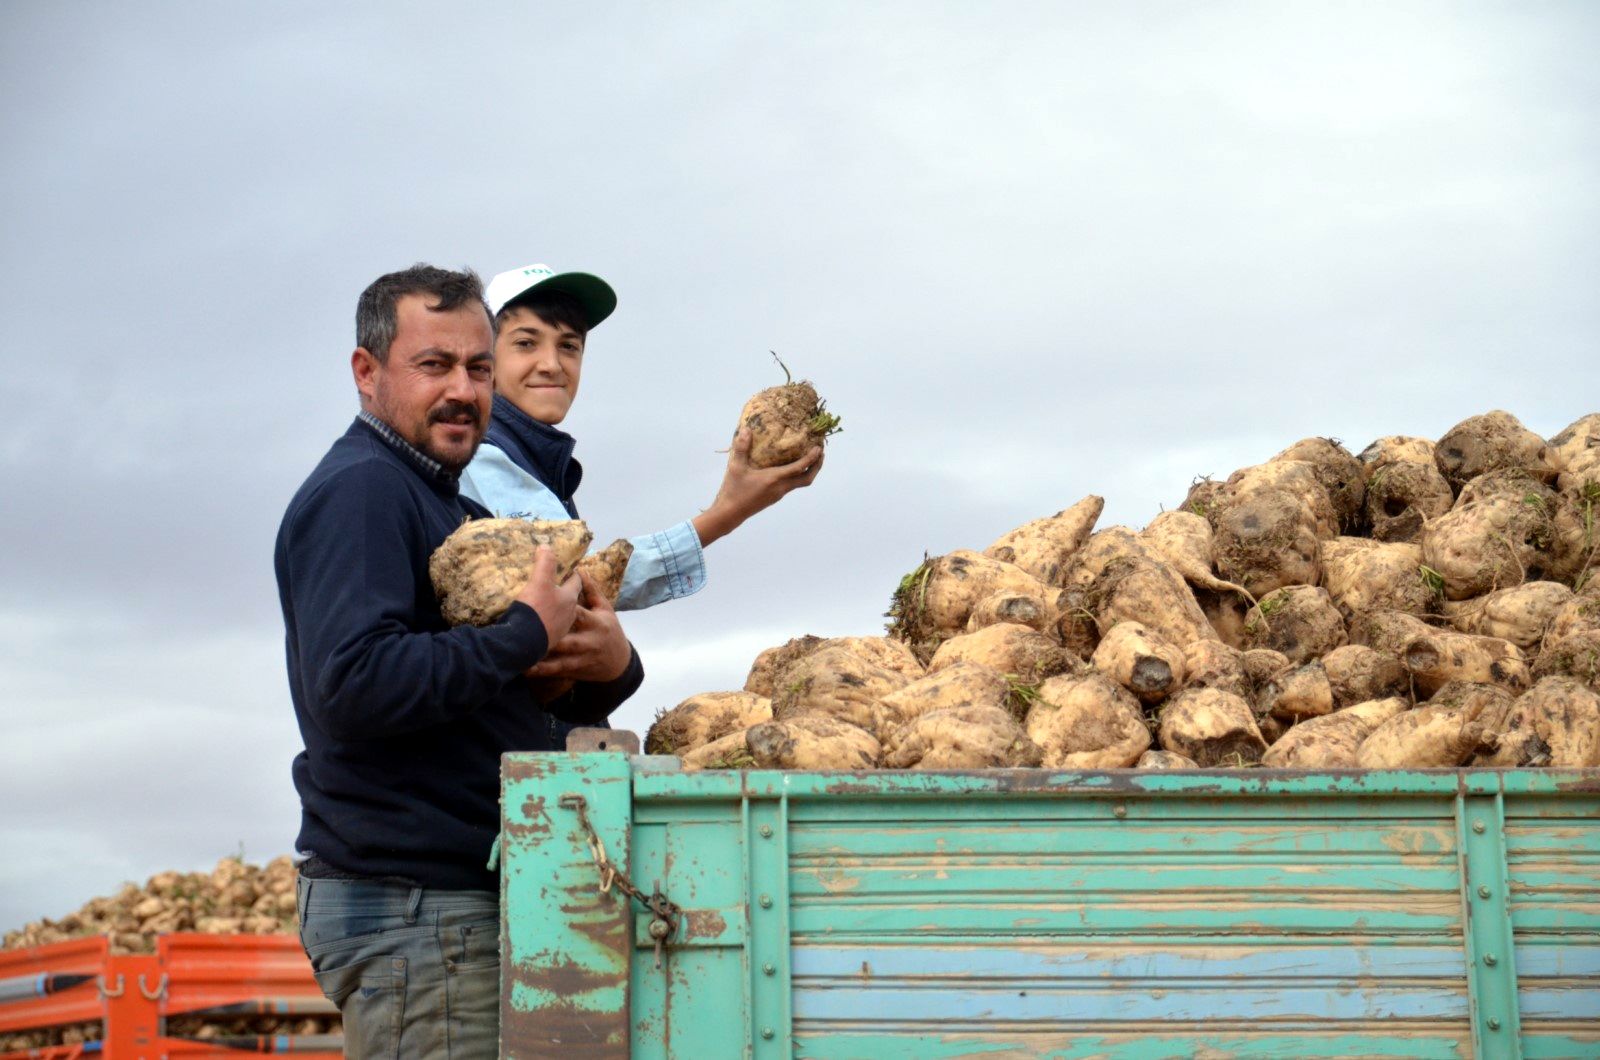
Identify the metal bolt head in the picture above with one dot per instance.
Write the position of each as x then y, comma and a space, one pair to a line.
766, 1032
1494, 1024
1484, 892
1490, 960
1479, 827
766, 831
769, 969
766, 901
1119, 811
659, 929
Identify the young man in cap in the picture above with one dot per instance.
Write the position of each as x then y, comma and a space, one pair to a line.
404, 718
525, 467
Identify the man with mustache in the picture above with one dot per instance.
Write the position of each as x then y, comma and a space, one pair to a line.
403, 717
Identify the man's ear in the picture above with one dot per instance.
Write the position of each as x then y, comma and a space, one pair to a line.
365, 367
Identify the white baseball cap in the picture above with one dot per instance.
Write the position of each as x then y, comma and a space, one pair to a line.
593, 295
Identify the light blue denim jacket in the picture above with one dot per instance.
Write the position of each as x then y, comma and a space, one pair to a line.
665, 565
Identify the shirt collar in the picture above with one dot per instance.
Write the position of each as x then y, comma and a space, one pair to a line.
542, 450
427, 465
526, 425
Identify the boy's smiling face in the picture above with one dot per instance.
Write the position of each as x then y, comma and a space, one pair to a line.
537, 364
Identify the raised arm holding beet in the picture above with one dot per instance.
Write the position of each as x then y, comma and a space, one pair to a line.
526, 469
748, 489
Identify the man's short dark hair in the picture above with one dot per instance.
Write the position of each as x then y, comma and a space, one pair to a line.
376, 313
553, 307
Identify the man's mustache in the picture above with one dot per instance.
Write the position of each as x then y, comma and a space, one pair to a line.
451, 410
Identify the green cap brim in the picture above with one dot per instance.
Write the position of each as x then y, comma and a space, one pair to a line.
594, 296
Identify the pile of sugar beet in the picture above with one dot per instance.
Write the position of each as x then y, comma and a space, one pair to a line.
234, 898
1421, 604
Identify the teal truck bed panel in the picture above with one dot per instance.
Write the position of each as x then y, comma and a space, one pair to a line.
1026, 913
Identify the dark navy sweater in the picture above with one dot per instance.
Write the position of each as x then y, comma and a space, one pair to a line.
404, 718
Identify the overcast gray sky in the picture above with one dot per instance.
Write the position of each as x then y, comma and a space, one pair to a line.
1027, 251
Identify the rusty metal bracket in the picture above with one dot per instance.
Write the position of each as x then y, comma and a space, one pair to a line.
622, 741
664, 912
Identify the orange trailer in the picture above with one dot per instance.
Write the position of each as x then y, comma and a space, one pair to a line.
132, 997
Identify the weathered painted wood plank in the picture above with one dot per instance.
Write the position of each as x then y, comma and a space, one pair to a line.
1142, 1043
1175, 916
1157, 960
1224, 878
933, 837
977, 1006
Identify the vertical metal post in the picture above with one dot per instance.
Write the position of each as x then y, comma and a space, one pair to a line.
133, 1012
767, 900
1486, 912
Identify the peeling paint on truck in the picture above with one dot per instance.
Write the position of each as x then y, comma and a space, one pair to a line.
1031, 913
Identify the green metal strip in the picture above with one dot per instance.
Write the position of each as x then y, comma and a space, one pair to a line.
1039, 783
695, 1000
1001, 812
767, 847
1491, 964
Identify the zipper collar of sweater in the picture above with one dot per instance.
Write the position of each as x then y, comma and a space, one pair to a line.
430, 469
543, 451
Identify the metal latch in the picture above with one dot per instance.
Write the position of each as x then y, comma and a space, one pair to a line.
664, 912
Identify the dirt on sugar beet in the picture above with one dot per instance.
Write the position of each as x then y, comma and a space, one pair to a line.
785, 423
